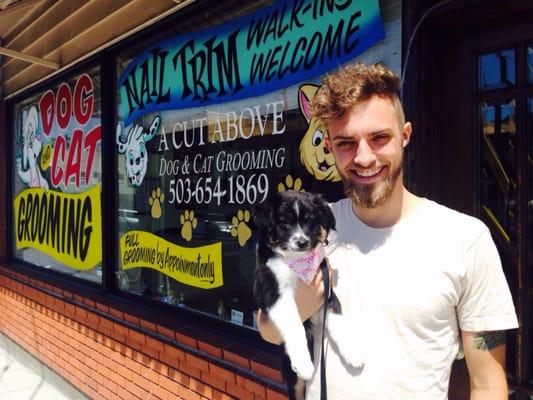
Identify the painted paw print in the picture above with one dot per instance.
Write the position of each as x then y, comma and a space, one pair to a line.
155, 201
290, 184
240, 228
188, 224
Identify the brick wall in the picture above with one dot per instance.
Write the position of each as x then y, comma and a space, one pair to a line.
107, 353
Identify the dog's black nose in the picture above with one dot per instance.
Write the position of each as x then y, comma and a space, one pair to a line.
302, 243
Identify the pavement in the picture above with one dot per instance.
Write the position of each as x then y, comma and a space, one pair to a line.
23, 377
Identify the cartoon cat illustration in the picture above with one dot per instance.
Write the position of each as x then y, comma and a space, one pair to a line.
318, 161
28, 168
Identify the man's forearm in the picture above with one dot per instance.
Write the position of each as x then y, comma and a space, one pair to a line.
489, 394
309, 298
487, 358
267, 329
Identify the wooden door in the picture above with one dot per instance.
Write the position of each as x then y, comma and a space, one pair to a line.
477, 148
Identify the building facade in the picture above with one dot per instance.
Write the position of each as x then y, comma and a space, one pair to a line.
140, 135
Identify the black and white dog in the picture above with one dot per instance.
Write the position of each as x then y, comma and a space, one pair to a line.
293, 228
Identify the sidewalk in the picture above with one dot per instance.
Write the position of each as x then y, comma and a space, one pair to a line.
23, 377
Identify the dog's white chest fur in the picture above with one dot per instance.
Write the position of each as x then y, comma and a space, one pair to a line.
286, 278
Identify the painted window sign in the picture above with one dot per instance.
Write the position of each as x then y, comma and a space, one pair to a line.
57, 210
278, 46
183, 264
193, 162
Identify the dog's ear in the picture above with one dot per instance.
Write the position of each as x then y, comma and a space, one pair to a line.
327, 220
263, 216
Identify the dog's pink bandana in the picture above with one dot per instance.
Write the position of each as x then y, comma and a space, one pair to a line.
306, 266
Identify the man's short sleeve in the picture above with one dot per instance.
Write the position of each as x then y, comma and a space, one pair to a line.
486, 303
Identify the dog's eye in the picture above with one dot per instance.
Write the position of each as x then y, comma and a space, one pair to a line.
284, 227
317, 138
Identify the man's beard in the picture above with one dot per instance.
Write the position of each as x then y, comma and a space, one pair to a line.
373, 195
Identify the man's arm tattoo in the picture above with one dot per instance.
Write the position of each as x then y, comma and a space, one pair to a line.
487, 341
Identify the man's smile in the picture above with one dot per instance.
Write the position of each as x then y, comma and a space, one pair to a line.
370, 175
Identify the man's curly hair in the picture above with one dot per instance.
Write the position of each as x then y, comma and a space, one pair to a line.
352, 84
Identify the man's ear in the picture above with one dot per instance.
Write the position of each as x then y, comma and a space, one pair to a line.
406, 133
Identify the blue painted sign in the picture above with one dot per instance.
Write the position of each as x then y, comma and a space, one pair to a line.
273, 48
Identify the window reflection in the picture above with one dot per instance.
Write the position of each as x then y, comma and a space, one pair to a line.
497, 70
498, 118
498, 168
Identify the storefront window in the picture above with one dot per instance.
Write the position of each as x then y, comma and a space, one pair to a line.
57, 173
497, 70
209, 124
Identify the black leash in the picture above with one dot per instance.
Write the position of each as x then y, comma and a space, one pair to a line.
325, 279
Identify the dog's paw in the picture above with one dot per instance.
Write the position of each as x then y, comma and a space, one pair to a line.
303, 368
353, 356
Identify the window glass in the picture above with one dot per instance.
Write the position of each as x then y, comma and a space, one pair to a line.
209, 124
497, 70
57, 175
498, 167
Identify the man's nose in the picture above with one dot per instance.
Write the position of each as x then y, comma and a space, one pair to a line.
364, 155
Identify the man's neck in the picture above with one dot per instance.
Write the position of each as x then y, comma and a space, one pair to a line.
400, 204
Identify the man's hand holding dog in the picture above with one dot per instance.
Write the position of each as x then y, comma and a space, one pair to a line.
309, 298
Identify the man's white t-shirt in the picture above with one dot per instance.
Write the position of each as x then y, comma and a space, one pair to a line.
407, 290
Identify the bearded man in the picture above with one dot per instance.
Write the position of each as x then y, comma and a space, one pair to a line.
415, 278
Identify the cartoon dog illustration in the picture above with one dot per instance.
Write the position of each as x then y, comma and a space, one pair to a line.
318, 161
134, 146
27, 168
